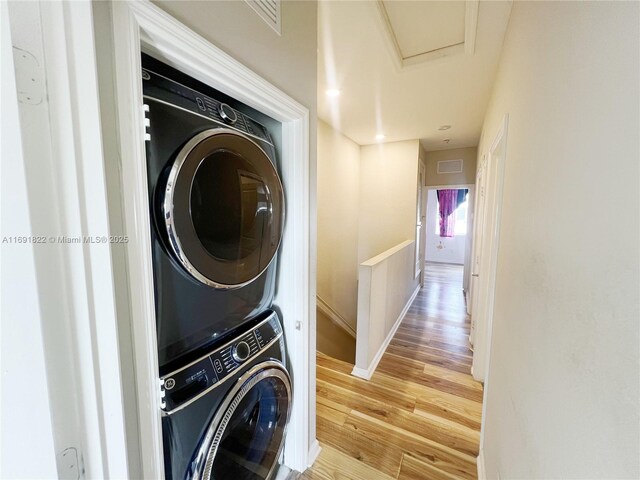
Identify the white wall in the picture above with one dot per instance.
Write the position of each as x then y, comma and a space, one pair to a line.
441, 249
366, 205
288, 61
388, 174
562, 393
338, 207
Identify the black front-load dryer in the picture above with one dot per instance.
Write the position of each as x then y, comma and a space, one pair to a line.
217, 211
224, 416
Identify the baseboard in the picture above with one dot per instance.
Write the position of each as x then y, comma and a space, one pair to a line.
285, 473
334, 316
482, 473
314, 451
436, 262
368, 373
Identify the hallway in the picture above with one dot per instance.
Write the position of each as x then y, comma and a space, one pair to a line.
419, 415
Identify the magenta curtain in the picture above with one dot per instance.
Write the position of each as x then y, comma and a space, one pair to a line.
447, 204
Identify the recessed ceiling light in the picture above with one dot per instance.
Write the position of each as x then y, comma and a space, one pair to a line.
333, 92
444, 127
380, 136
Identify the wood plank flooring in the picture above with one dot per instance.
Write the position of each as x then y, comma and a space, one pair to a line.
419, 415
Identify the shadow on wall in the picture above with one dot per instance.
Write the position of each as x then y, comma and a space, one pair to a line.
333, 340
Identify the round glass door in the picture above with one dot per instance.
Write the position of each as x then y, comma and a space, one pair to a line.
224, 208
246, 436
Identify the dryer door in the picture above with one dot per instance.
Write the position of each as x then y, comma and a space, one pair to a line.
223, 208
246, 436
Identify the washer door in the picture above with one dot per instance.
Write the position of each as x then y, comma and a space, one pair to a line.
246, 435
224, 208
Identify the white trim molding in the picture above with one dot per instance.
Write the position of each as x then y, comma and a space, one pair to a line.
470, 26
367, 373
482, 470
66, 186
141, 26
314, 452
334, 316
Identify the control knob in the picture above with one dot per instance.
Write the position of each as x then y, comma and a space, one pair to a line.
227, 113
241, 352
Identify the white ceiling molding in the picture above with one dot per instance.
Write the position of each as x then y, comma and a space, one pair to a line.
269, 11
400, 61
470, 26
387, 31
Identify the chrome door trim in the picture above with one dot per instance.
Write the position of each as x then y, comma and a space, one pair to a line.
169, 216
203, 462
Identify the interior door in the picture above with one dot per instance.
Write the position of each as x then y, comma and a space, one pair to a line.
486, 253
476, 255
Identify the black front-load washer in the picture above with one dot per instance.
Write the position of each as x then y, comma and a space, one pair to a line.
224, 416
217, 210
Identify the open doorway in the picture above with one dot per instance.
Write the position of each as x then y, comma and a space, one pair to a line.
448, 225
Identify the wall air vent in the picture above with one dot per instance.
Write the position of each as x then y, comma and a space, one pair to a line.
269, 11
450, 166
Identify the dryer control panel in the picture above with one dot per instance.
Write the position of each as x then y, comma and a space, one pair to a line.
185, 385
161, 88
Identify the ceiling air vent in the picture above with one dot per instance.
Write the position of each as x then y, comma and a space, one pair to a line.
450, 166
269, 11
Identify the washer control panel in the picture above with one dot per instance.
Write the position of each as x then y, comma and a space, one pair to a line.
185, 385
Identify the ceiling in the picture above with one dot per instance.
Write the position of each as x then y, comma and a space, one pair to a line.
405, 68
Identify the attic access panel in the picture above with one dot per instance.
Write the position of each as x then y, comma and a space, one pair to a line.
422, 31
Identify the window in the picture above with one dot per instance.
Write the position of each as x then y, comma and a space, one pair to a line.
461, 218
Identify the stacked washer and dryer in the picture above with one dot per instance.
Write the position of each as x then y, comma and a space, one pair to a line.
217, 217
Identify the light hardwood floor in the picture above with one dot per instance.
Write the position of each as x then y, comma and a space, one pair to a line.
419, 415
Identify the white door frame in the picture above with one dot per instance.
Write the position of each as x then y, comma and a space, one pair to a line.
421, 212
494, 172
478, 220
63, 159
143, 26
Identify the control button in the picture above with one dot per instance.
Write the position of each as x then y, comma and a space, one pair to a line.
218, 366
200, 103
169, 383
241, 352
227, 113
